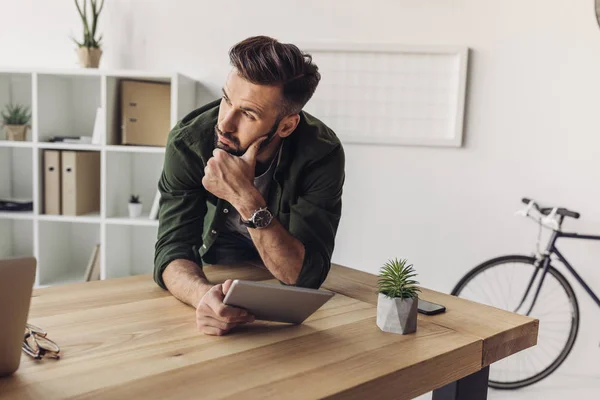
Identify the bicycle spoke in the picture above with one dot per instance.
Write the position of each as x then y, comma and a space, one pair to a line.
504, 285
493, 290
489, 302
553, 340
550, 355
490, 291
507, 291
510, 285
553, 312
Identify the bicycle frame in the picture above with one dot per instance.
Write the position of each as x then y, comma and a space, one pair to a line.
543, 263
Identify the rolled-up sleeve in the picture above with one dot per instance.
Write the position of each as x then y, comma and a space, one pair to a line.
182, 206
315, 217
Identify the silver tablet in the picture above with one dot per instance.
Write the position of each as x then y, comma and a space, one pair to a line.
273, 302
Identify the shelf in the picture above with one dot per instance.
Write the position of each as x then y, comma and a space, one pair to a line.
77, 71
114, 116
93, 218
135, 149
65, 250
67, 105
140, 221
12, 143
66, 102
65, 279
16, 88
15, 238
23, 215
131, 250
16, 173
69, 146
131, 173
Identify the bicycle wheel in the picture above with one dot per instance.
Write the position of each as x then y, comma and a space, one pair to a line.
502, 283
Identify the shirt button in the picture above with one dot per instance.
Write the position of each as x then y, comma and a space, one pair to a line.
213, 232
225, 210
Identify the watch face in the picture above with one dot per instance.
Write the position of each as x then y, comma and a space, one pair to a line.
262, 218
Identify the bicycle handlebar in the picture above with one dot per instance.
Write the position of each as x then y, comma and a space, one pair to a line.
547, 210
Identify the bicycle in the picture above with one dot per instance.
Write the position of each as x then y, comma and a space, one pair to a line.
552, 300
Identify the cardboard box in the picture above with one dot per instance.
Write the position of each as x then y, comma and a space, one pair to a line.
52, 182
80, 182
145, 113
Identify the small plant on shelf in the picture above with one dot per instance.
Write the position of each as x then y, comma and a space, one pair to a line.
89, 49
15, 118
398, 297
135, 206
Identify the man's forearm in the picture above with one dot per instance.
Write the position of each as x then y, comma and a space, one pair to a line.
281, 252
186, 281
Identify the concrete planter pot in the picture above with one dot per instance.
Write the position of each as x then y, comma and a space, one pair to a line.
89, 57
135, 210
15, 132
397, 315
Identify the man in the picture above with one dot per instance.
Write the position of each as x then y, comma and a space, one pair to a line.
250, 178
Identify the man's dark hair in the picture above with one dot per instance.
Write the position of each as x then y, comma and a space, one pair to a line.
265, 61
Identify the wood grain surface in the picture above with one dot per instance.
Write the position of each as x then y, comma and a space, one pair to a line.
503, 333
127, 338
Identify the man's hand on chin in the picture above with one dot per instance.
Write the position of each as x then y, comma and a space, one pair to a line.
215, 318
229, 177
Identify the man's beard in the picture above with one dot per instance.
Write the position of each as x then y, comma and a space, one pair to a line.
238, 151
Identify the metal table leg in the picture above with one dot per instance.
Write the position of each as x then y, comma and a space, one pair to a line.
472, 387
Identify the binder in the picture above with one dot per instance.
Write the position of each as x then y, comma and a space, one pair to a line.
52, 182
145, 112
80, 182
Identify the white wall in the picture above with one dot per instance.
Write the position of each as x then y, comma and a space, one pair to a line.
532, 122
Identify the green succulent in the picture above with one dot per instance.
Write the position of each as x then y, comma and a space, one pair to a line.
89, 33
16, 114
395, 280
134, 199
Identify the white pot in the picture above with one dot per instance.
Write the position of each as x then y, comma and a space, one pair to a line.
397, 315
135, 210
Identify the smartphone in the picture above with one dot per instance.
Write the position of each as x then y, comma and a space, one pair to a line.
429, 308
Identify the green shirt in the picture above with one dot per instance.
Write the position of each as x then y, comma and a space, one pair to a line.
305, 194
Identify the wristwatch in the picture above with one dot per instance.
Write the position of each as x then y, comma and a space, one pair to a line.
260, 219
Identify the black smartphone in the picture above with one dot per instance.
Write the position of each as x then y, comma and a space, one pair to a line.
429, 308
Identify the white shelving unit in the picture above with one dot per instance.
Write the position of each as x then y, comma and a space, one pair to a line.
64, 102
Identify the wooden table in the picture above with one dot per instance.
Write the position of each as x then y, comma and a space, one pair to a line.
127, 338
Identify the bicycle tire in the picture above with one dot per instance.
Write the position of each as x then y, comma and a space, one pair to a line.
570, 294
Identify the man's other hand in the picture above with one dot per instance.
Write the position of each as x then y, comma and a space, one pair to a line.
215, 318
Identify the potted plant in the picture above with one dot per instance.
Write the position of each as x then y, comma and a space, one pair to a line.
135, 206
89, 50
398, 298
16, 119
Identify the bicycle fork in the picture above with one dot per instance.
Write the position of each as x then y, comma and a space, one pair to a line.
545, 264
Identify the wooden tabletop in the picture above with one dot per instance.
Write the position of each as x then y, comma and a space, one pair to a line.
127, 338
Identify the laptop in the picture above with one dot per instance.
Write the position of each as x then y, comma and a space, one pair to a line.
17, 276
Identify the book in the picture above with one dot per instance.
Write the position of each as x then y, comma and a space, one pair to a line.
71, 139
81, 139
93, 264
16, 205
95, 276
155, 206
99, 126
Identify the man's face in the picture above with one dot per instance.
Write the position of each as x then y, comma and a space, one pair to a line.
247, 112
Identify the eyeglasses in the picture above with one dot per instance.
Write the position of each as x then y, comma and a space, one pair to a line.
37, 345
